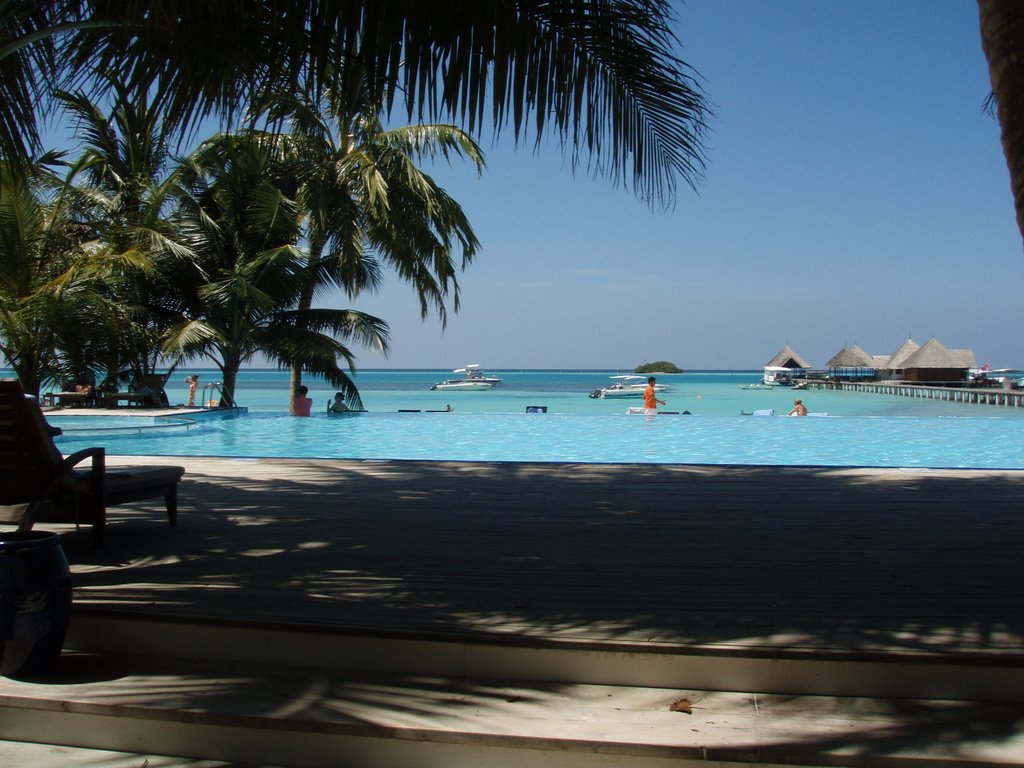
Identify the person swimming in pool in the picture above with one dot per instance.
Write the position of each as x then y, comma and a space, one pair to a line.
337, 405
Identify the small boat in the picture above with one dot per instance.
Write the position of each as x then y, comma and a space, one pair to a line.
627, 386
756, 386
779, 376
473, 380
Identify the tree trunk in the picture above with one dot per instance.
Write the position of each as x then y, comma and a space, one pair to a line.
230, 374
1002, 39
316, 249
294, 382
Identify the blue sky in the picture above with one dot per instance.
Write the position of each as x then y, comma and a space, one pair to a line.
855, 192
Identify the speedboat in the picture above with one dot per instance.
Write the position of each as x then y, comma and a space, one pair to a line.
473, 380
627, 386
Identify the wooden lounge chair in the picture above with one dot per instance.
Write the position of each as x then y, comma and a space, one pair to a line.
38, 484
147, 391
76, 397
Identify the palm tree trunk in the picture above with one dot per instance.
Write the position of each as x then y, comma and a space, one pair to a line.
294, 382
1002, 39
316, 249
230, 380
317, 243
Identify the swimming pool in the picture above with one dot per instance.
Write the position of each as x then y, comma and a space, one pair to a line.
937, 442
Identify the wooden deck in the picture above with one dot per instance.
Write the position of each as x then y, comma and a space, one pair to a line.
757, 557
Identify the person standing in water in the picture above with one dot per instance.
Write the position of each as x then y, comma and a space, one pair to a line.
651, 400
193, 382
799, 409
301, 404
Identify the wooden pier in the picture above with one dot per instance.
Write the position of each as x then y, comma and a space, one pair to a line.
1008, 398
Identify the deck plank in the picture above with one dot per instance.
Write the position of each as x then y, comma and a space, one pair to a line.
753, 556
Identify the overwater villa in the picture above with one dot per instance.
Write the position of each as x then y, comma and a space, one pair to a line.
932, 363
785, 367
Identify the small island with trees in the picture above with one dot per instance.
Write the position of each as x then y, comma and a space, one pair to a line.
661, 366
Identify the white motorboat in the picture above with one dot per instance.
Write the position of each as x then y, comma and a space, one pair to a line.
473, 380
627, 386
778, 376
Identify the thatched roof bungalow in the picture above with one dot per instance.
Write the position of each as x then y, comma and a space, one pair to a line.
851, 363
934, 362
784, 367
787, 358
899, 357
891, 366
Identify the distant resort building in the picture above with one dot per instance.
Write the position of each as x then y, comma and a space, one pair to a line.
851, 363
934, 362
784, 367
931, 363
894, 366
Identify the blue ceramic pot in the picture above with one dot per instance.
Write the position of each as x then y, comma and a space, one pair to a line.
35, 602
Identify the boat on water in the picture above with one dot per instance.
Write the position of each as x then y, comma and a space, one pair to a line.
779, 376
626, 386
473, 380
756, 386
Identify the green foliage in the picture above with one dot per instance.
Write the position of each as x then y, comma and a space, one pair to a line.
662, 366
600, 76
245, 275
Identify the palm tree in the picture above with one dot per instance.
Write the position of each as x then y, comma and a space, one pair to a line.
367, 204
37, 241
600, 75
123, 190
247, 272
1002, 38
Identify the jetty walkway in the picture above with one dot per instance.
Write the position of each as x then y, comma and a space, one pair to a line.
1009, 398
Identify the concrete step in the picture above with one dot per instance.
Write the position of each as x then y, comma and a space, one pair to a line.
296, 716
15, 754
293, 696
780, 670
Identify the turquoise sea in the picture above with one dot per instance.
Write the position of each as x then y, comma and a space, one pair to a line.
405, 420
707, 393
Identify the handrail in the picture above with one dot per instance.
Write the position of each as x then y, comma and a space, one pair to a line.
224, 399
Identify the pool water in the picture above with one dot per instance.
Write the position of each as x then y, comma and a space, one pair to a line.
975, 441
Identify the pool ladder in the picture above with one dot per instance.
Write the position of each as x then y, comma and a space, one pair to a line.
216, 387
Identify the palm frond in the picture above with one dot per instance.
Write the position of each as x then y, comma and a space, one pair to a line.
600, 75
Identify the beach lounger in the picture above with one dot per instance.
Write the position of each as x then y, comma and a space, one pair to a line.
145, 391
72, 399
37, 484
81, 391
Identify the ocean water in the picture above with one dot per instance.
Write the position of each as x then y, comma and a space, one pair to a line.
861, 430
706, 393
